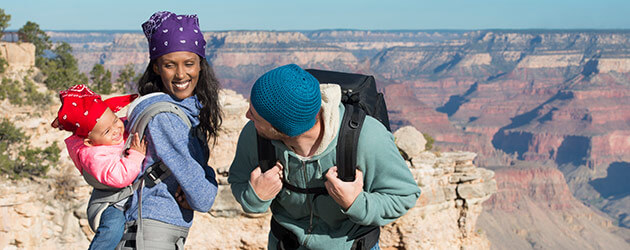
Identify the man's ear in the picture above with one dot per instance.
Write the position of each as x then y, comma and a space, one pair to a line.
88, 142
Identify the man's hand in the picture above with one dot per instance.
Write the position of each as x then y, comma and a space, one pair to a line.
268, 184
344, 193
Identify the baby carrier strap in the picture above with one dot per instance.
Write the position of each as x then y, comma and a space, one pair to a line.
147, 233
92, 181
101, 199
103, 195
157, 235
147, 115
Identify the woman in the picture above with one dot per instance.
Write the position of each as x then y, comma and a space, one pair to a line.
179, 70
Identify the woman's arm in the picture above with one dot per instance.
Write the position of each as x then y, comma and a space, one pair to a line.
169, 136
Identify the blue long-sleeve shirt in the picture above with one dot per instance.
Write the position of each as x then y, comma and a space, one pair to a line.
171, 141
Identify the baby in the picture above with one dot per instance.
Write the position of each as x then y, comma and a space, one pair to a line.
96, 148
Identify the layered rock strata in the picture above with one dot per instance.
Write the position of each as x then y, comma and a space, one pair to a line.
50, 212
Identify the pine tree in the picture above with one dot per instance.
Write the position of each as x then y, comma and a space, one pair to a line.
31, 33
62, 70
126, 77
101, 79
4, 22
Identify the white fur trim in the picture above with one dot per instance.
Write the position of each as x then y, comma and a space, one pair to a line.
331, 98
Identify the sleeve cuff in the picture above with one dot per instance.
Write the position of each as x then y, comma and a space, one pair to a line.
255, 203
358, 210
135, 156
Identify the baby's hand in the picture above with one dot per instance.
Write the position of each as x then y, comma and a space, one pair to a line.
138, 145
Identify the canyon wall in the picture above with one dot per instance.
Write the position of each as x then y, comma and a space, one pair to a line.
50, 212
556, 98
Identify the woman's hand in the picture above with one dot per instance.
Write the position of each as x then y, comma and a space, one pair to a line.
180, 197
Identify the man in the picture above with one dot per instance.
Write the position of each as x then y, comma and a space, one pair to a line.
302, 118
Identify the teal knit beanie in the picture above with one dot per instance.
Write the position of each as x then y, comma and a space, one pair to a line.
289, 98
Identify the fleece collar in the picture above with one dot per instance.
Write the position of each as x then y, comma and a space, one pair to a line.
331, 99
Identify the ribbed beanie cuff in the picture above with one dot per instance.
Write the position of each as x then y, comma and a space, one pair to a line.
289, 98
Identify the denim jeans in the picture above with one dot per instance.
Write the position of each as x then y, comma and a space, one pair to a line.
376, 247
110, 230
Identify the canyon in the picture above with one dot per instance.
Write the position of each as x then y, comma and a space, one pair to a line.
50, 212
543, 108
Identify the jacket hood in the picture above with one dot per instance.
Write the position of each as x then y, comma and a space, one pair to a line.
331, 99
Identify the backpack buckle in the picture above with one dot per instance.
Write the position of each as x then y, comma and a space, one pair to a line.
348, 97
156, 173
353, 124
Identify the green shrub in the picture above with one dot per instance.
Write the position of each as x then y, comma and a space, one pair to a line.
36, 161
430, 141
17, 159
61, 71
101, 79
9, 134
3, 65
11, 89
34, 97
3, 92
126, 77
23, 93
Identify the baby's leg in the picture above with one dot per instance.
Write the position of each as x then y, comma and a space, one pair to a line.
110, 230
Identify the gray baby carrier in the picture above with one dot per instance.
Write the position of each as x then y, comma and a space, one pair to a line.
104, 196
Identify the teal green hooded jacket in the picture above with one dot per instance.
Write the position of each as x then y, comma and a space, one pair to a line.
389, 189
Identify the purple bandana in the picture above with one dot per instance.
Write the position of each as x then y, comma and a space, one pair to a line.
168, 32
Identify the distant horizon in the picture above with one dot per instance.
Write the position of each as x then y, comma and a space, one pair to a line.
286, 15
377, 30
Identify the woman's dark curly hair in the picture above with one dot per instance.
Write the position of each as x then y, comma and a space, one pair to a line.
207, 91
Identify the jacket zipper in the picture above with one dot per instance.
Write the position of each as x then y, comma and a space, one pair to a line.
310, 206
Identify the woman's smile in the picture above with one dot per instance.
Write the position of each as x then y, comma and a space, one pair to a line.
181, 85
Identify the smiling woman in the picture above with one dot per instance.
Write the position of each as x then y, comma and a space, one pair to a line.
178, 69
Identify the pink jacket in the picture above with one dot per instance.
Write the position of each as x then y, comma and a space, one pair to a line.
104, 162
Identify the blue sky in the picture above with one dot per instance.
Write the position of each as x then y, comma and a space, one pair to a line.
326, 14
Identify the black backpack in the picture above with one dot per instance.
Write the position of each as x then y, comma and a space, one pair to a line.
359, 97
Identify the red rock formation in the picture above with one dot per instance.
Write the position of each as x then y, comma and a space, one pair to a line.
544, 187
534, 208
538, 96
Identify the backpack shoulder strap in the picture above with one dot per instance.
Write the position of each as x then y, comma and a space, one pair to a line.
348, 140
151, 111
266, 153
267, 159
158, 171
